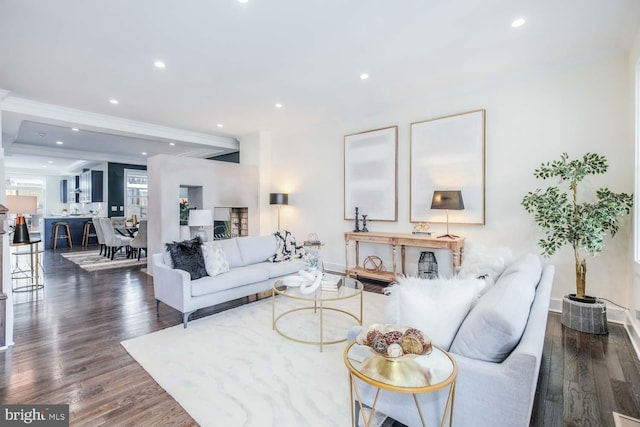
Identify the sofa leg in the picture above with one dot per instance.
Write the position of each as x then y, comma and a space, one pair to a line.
157, 308
185, 318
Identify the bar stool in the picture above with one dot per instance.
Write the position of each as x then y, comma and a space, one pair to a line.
86, 233
55, 236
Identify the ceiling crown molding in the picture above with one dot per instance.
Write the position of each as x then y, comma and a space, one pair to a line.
102, 122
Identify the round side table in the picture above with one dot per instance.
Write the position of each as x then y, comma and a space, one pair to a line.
424, 374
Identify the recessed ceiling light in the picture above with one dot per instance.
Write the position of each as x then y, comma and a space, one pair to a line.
172, 144
50, 161
364, 76
278, 105
59, 142
144, 153
113, 101
219, 125
159, 64
44, 166
518, 23
75, 129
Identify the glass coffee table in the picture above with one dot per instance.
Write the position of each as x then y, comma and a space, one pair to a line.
423, 374
316, 301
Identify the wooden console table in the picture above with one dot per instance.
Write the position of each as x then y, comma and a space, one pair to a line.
456, 246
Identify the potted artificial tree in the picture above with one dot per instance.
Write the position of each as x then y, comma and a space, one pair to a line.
583, 225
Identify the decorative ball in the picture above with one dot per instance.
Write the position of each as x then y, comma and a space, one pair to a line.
394, 350
379, 345
393, 337
372, 335
373, 263
412, 345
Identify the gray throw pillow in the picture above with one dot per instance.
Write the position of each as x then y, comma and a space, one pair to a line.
187, 256
493, 328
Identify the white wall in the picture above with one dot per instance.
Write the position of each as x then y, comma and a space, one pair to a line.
633, 322
223, 184
531, 118
255, 150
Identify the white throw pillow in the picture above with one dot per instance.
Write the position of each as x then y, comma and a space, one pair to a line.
481, 261
215, 260
436, 307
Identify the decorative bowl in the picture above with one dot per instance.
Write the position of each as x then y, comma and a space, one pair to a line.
394, 359
394, 343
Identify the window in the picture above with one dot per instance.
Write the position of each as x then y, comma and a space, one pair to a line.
136, 195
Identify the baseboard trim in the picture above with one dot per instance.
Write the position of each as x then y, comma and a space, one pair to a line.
631, 326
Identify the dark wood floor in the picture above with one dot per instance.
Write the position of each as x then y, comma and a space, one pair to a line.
67, 350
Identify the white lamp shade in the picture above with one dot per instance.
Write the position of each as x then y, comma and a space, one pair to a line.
22, 204
200, 218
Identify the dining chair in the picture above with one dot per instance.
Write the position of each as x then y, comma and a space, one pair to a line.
112, 241
118, 221
139, 242
98, 226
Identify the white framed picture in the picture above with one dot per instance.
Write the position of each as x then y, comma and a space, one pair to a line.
447, 154
370, 174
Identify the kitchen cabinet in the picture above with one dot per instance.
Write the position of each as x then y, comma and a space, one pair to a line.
91, 184
64, 191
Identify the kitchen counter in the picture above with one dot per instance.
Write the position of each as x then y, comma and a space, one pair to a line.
76, 224
63, 217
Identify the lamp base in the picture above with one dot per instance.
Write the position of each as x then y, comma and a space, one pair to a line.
202, 233
21, 233
448, 236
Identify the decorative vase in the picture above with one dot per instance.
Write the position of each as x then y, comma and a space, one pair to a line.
589, 317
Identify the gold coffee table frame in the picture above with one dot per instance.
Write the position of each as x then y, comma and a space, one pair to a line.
350, 288
392, 379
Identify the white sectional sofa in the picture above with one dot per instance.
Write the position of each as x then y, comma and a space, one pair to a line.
249, 273
498, 349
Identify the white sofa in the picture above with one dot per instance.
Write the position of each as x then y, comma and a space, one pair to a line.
498, 393
249, 273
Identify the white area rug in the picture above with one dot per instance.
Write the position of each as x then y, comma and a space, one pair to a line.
93, 261
231, 369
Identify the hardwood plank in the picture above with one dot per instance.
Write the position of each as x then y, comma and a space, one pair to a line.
552, 414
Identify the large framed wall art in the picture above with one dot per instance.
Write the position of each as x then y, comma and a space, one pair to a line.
447, 153
371, 174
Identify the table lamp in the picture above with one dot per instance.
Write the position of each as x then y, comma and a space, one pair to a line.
21, 205
200, 218
448, 200
278, 199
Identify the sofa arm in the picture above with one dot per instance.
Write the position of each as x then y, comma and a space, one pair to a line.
171, 286
496, 391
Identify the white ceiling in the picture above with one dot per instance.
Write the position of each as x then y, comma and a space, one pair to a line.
229, 63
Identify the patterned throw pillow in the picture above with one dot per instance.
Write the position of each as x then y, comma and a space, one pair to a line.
187, 256
286, 247
215, 260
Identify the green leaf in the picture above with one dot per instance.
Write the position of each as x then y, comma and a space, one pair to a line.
565, 221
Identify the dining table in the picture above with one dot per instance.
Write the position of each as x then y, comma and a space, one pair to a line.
127, 231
